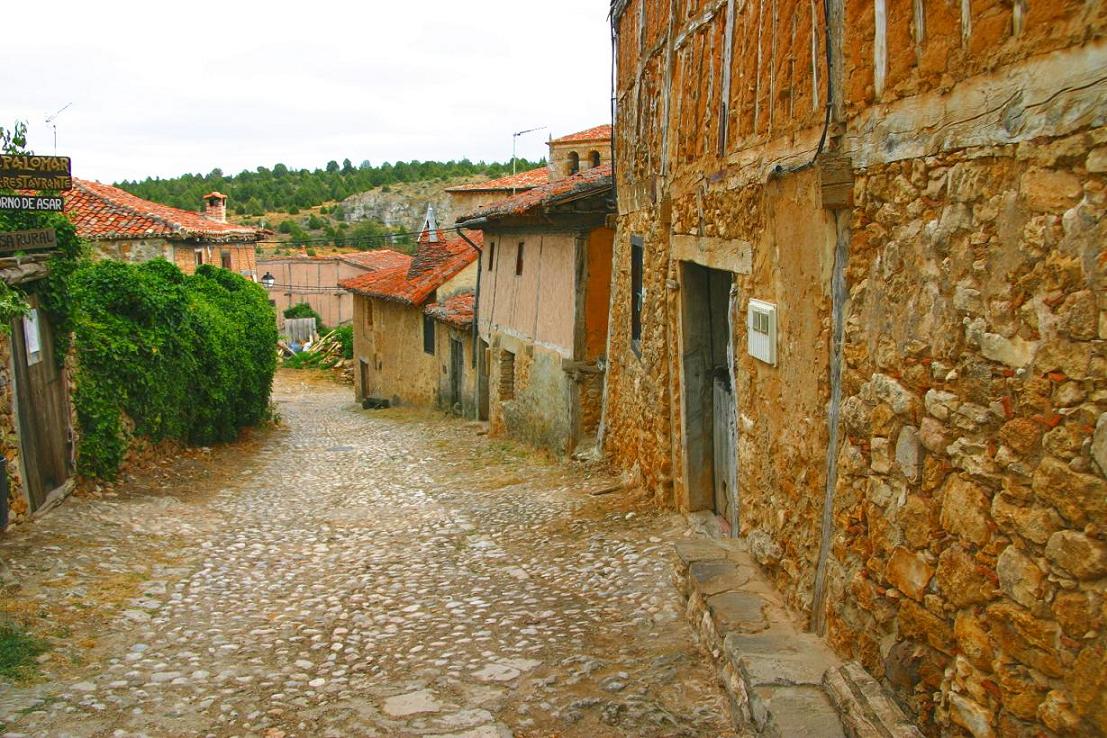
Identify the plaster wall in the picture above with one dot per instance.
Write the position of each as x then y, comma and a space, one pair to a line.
314, 281
388, 337
444, 334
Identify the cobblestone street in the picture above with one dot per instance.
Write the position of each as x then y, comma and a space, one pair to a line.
357, 573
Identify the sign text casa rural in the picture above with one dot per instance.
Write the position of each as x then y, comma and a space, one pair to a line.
41, 239
30, 172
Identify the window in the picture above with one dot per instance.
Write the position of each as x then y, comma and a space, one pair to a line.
636, 294
490, 264
428, 334
594, 159
574, 162
507, 375
199, 254
225, 259
519, 260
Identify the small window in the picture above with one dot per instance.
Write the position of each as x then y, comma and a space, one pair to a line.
519, 260
636, 294
490, 264
225, 259
507, 375
199, 254
428, 334
574, 162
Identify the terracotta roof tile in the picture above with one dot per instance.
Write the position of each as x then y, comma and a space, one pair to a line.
527, 179
580, 184
597, 133
456, 310
101, 211
434, 264
377, 259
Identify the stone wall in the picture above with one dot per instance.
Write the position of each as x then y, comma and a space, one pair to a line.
969, 552
444, 335
391, 345
966, 562
534, 402
9, 441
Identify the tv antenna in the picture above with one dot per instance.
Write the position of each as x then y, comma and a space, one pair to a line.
514, 141
52, 120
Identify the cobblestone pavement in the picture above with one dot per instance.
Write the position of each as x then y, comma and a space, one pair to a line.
357, 573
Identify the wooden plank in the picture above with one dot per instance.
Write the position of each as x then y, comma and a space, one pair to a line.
836, 180
40, 239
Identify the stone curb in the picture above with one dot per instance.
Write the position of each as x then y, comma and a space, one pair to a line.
781, 681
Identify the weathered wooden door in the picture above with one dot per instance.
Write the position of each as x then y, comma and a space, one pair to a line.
42, 402
725, 433
483, 363
457, 366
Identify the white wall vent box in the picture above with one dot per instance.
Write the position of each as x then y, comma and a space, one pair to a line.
761, 331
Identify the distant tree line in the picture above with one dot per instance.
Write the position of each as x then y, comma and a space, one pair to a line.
287, 190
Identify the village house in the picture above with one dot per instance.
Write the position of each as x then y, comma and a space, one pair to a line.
542, 308
457, 378
859, 314
122, 226
314, 280
396, 342
36, 415
467, 198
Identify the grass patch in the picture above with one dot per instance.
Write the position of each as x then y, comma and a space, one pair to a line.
18, 651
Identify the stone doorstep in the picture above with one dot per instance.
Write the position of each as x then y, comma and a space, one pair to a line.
865, 708
781, 680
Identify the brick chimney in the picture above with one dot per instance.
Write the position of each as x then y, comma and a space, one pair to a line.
215, 207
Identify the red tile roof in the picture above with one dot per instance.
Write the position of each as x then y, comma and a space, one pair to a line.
522, 180
581, 184
456, 311
101, 211
434, 264
377, 259
598, 133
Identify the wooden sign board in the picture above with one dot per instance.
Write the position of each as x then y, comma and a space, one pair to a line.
42, 239
30, 202
30, 172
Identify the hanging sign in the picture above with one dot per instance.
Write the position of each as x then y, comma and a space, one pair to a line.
30, 202
30, 172
42, 239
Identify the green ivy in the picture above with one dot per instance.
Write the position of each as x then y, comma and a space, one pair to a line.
184, 357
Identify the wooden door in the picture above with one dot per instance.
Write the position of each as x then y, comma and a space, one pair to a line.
483, 362
725, 433
457, 366
42, 403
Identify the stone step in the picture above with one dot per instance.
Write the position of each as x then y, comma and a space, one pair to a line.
866, 709
782, 681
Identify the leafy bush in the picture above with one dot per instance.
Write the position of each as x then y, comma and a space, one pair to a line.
345, 336
184, 357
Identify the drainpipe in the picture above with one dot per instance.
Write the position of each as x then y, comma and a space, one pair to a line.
476, 309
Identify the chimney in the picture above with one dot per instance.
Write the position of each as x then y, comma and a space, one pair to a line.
215, 207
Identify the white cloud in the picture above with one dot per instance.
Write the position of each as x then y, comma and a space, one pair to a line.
163, 88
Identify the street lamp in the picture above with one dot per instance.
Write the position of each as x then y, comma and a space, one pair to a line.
268, 280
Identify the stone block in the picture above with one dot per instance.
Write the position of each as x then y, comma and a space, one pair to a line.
711, 577
779, 655
865, 709
1080, 498
907, 452
698, 550
742, 612
1033, 641
932, 435
1020, 578
1021, 434
971, 716
1014, 351
1077, 554
1050, 191
909, 572
1077, 613
973, 640
962, 580
917, 622
1099, 444
965, 510
1088, 684
803, 712
941, 404
1032, 522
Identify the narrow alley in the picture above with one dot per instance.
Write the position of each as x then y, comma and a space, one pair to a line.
357, 573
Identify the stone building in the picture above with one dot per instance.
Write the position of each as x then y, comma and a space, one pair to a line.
542, 309
580, 151
858, 312
454, 339
467, 198
119, 225
36, 414
314, 280
396, 345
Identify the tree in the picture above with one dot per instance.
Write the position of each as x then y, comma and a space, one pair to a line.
347, 166
332, 166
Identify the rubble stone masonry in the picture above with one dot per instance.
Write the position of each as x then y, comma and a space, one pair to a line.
965, 561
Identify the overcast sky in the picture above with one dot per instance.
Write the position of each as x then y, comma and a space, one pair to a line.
167, 87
